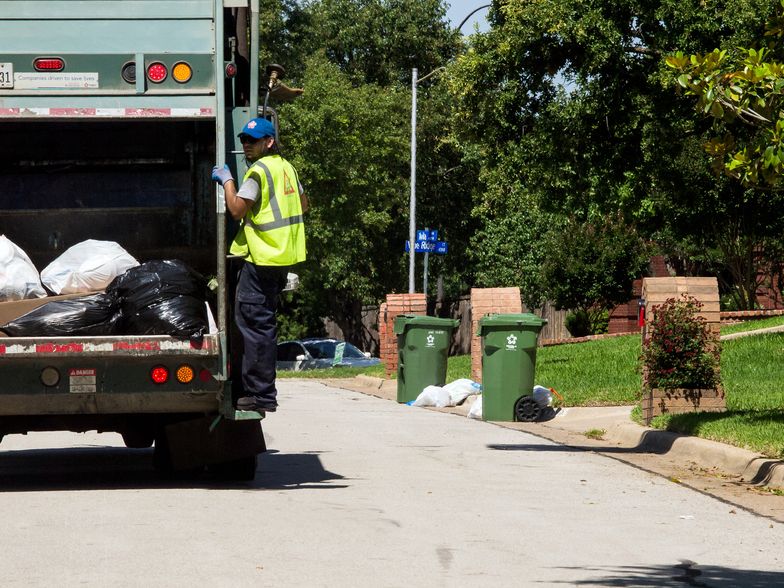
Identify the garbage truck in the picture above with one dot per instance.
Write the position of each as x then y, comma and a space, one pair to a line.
112, 114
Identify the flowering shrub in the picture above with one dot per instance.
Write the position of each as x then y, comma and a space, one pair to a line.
680, 350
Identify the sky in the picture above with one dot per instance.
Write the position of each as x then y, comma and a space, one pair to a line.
459, 9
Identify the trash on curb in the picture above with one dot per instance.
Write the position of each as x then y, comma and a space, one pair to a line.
475, 412
452, 394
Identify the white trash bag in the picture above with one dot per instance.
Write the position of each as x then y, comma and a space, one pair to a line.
475, 412
461, 389
88, 266
432, 396
18, 276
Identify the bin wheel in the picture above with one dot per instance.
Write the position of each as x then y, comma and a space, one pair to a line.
527, 410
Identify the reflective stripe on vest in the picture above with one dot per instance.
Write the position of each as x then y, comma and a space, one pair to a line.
273, 204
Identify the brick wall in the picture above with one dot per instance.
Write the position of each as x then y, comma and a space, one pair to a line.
623, 318
396, 304
487, 301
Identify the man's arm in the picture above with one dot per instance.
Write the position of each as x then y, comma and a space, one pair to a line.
238, 207
303, 201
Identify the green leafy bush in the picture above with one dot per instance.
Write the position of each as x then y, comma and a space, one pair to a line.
581, 322
680, 349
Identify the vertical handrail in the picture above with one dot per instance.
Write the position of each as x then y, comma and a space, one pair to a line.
220, 199
253, 58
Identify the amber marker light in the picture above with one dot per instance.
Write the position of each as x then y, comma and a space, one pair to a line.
182, 72
185, 374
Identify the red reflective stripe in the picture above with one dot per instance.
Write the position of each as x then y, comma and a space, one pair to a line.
56, 348
137, 346
72, 112
10, 111
148, 112
2, 348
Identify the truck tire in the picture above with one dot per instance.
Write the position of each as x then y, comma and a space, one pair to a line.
240, 470
138, 439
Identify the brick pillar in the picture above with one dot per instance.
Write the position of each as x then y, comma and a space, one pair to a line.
487, 301
396, 304
656, 291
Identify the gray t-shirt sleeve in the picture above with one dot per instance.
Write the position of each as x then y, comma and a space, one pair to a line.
249, 190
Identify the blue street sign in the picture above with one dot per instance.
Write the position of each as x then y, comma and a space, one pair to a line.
426, 235
439, 247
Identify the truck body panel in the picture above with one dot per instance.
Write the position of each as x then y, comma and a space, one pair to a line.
91, 152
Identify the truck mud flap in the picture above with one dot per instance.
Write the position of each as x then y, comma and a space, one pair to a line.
194, 443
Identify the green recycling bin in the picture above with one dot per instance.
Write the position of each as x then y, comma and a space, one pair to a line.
508, 364
422, 350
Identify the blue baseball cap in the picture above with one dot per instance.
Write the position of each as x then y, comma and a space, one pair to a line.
258, 128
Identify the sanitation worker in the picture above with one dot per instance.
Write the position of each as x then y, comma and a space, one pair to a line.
271, 238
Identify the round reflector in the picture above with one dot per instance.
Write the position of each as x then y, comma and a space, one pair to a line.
185, 374
157, 72
182, 72
231, 70
50, 376
128, 72
48, 64
159, 374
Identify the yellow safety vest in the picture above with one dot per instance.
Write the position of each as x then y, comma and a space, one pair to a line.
272, 232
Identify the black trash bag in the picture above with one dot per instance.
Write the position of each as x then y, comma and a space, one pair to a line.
89, 316
162, 297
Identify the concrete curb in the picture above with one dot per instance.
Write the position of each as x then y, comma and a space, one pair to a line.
751, 467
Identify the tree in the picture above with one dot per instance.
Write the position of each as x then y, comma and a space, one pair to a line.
742, 90
568, 103
352, 157
348, 134
380, 41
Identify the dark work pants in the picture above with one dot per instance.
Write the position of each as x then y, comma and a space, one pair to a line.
258, 288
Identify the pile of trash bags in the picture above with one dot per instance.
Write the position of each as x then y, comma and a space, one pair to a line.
455, 393
160, 297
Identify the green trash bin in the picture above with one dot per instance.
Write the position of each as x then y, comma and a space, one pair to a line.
422, 350
508, 364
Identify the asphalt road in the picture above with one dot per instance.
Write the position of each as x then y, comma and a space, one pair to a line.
360, 491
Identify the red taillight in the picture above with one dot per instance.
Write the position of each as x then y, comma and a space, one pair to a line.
205, 375
48, 64
157, 72
231, 70
159, 374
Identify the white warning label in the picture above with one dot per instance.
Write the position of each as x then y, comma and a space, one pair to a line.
82, 381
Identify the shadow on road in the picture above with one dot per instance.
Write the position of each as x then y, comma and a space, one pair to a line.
117, 468
686, 573
656, 442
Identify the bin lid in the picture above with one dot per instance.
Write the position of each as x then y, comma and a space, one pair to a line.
402, 321
523, 319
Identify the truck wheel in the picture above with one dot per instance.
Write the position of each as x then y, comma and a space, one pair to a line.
242, 470
161, 458
138, 439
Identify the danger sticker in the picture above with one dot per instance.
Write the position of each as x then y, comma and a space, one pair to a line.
82, 381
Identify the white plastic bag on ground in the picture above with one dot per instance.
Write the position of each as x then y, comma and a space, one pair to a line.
88, 266
475, 412
433, 396
542, 396
461, 389
442, 398
18, 276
